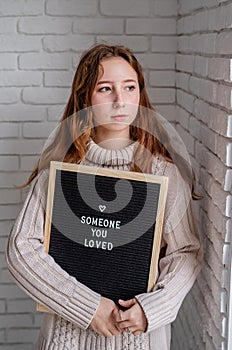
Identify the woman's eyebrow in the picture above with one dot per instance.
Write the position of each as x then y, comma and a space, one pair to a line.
110, 82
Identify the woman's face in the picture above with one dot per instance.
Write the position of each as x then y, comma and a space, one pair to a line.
116, 96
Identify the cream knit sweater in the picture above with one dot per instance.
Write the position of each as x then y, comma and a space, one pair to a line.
74, 305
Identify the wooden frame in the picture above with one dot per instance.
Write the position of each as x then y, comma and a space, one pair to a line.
152, 183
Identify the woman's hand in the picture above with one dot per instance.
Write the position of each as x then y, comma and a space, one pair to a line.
133, 319
104, 321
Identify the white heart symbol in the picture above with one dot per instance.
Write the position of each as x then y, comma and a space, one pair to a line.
102, 207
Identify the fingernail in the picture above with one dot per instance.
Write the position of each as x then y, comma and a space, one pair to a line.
121, 301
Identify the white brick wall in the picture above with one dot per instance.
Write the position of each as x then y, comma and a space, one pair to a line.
187, 65
203, 82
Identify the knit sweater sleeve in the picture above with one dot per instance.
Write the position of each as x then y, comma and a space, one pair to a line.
36, 271
180, 264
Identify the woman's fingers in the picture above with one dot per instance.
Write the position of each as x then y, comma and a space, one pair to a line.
124, 324
133, 317
133, 330
103, 331
115, 331
127, 303
104, 321
118, 315
109, 332
137, 332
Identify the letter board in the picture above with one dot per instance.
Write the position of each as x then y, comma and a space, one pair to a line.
104, 227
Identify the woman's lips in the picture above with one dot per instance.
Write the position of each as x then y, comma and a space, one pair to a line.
119, 117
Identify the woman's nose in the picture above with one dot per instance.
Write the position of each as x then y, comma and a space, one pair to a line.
118, 100
118, 104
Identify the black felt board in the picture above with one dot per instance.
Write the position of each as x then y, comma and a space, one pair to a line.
119, 268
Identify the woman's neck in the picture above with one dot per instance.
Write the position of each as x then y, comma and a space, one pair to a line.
112, 141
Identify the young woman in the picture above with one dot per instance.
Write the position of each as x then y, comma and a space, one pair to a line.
108, 121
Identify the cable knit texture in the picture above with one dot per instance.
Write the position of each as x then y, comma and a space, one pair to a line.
72, 304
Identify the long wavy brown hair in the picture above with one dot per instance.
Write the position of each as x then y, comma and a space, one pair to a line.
76, 126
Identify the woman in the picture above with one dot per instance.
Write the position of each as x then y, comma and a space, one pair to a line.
108, 121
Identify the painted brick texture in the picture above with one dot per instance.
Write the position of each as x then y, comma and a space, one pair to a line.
203, 93
184, 47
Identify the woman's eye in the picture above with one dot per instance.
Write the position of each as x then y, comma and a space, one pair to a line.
130, 88
104, 89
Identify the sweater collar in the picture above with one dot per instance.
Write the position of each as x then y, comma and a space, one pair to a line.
102, 156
